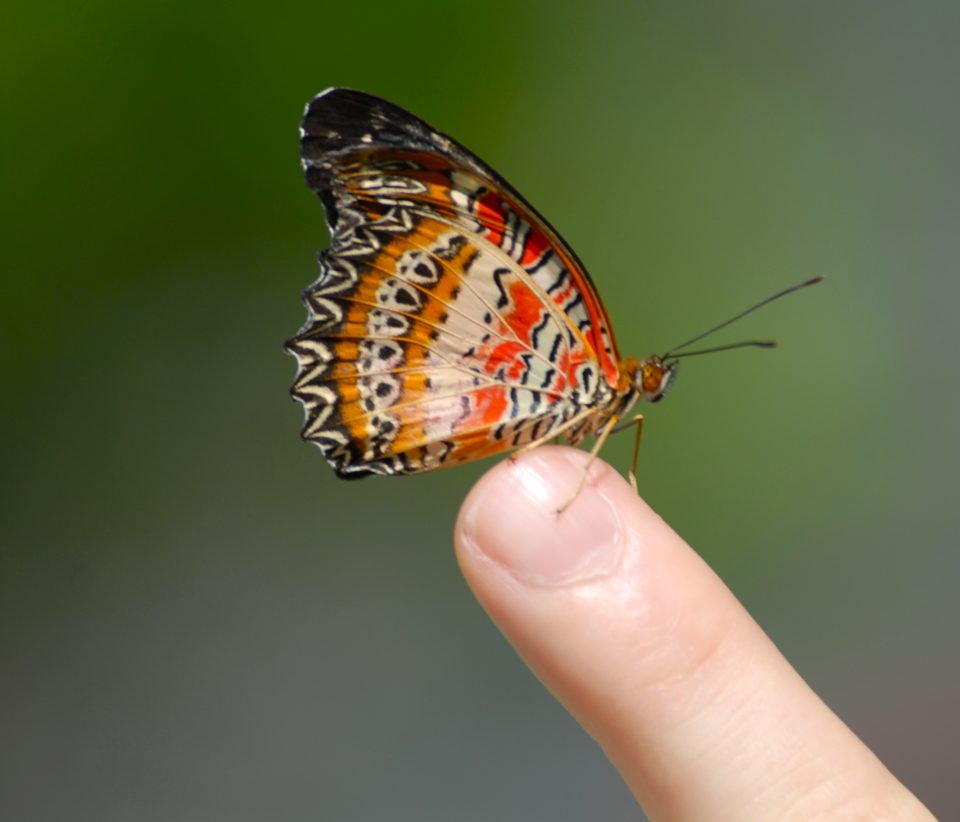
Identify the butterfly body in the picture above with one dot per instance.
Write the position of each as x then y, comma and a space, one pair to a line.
450, 321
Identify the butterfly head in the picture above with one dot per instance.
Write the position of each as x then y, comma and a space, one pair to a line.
650, 378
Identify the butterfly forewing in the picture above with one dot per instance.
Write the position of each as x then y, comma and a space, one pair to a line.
450, 321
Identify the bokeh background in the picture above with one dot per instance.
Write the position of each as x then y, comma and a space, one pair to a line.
199, 622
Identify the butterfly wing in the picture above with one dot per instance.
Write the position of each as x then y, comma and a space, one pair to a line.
450, 320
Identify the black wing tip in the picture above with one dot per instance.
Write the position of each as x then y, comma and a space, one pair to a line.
339, 119
342, 95
344, 108
340, 100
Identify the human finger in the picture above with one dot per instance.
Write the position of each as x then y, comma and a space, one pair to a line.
650, 651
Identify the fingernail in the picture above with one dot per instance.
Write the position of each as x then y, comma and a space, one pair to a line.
514, 522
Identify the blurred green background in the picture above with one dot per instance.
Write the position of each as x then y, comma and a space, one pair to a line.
199, 622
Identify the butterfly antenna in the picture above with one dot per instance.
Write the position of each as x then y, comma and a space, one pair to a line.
752, 343
746, 344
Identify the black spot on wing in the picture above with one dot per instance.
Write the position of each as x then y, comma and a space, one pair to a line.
574, 303
561, 279
452, 248
586, 377
555, 348
527, 360
538, 329
535, 431
544, 259
503, 300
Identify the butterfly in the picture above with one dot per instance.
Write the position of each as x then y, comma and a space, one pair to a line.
450, 321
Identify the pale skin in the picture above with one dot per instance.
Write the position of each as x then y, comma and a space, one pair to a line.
647, 648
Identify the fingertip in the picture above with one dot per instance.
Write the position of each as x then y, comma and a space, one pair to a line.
512, 518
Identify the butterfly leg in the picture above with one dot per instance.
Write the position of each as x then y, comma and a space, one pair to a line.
551, 435
601, 439
632, 476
